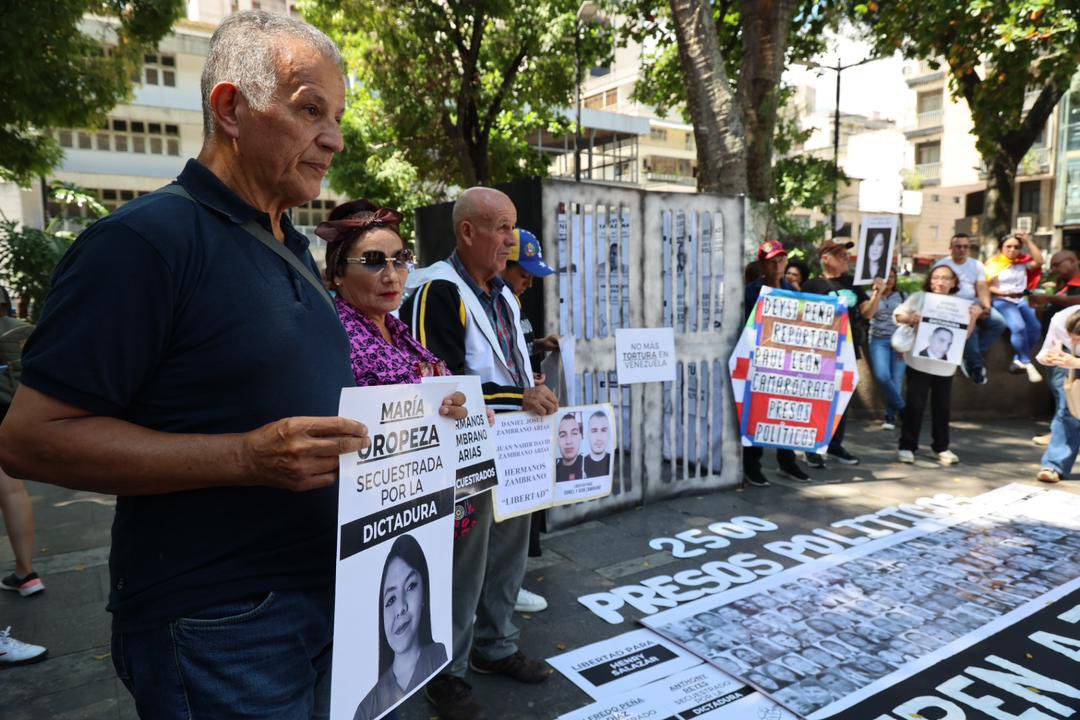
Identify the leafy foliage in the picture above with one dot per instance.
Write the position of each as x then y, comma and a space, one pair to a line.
449, 93
995, 52
28, 255
58, 75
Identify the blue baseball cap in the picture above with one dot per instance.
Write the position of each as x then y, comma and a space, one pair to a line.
527, 254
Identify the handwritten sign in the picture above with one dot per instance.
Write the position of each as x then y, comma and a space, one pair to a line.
645, 355
793, 370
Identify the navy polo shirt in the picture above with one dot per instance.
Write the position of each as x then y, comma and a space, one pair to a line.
169, 315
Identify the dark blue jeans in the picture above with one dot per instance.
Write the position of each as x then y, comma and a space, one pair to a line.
888, 367
260, 657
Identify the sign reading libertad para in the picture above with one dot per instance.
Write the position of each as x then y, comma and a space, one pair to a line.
793, 370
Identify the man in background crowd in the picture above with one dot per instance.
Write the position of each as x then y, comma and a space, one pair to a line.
974, 288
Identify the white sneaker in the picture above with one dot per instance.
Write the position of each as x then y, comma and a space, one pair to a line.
1032, 372
16, 652
888, 425
529, 602
948, 457
905, 456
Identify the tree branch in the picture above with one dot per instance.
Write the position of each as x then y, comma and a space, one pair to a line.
509, 75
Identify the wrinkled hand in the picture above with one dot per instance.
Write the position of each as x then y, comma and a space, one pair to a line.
550, 343
912, 319
300, 453
539, 400
453, 406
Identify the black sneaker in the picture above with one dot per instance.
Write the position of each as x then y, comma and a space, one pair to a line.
978, 375
794, 472
815, 461
844, 457
453, 699
757, 479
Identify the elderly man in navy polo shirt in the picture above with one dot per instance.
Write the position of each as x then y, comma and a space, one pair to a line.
186, 362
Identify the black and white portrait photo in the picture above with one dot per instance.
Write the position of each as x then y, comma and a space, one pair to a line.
937, 347
571, 463
877, 241
408, 654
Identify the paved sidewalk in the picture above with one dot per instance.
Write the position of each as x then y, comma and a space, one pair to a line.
77, 680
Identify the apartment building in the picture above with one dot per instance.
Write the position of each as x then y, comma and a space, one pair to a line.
145, 143
945, 166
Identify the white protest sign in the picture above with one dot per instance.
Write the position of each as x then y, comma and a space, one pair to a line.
474, 441
584, 444
567, 349
645, 355
942, 330
877, 242
396, 523
525, 464
614, 666
701, 692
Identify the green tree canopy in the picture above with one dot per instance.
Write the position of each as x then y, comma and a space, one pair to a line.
998, 53
449, 93
58, 74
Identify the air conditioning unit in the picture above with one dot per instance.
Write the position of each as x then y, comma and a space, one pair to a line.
1025, 223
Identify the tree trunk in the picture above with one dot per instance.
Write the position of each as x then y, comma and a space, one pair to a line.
766, 25
1000, 184
718, 126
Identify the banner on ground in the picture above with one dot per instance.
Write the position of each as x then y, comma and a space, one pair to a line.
473, 440
625, 662
554, 460
942, 329
962, 617
699, 693
395, 549
793, 370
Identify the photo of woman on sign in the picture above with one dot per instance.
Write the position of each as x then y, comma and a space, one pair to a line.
408, 655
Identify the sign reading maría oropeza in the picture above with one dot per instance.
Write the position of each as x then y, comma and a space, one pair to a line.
392, 623
793, 370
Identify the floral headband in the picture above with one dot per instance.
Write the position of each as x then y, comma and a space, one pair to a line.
332, 230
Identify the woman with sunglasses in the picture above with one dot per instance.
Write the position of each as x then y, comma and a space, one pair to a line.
367, 264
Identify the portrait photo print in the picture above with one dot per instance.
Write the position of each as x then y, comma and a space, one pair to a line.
877, 244
584, 449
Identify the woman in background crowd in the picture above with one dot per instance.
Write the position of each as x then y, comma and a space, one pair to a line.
797, 273
886, 364
1059, 354
928, 377
1011, 274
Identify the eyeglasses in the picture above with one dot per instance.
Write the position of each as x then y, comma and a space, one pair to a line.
375, 261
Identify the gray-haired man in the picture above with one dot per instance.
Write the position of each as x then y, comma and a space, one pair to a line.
186, 362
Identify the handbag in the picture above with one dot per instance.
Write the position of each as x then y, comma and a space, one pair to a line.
1071, 388
903, 339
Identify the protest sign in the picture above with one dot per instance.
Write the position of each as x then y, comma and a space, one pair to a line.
583, 451
613, 666
396, 523
877, 242
910, 620
942, 329
474, 441
524, 461
701, 692
538, 468
793, 370
645, 355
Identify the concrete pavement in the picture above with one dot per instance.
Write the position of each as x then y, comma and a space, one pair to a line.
77, 680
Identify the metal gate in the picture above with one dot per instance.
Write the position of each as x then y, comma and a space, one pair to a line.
629, 258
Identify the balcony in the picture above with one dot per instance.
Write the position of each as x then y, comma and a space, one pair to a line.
929, 173
1036, 162
671, 178
929, 119
921, 73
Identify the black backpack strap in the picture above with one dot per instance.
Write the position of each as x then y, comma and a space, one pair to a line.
267, 238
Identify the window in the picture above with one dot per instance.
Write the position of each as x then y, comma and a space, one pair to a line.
935, 198
594, 102
928, 102
1029, 197
659, 134
928, 153
159, 69
312, 213
974, 203
111, 198
125, 136
611, 97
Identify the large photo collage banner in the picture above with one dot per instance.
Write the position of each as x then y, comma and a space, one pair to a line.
882, 628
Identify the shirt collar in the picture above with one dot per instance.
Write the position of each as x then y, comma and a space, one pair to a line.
497, 283
208, 189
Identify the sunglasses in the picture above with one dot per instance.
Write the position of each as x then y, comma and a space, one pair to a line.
375, 261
